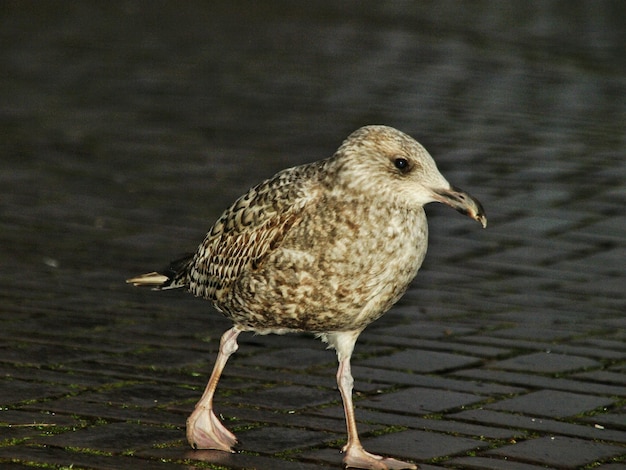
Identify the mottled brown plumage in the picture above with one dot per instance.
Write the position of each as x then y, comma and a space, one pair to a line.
326, 247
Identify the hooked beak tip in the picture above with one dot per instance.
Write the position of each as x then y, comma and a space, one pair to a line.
463, 203
482, 219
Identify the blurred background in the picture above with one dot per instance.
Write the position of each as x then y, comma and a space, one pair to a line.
127, 127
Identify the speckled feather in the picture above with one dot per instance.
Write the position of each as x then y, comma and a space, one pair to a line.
328, 246
248, 231
324, 247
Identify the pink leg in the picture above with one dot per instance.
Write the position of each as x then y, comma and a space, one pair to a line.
356, 456
204, 429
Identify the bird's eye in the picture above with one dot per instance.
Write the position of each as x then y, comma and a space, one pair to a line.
401, 164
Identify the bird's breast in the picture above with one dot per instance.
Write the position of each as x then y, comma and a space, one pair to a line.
340, 268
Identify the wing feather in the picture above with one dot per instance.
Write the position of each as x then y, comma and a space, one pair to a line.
249, 230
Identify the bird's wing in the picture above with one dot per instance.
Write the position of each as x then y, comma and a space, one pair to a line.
250, 229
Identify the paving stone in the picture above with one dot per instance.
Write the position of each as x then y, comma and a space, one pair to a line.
543, 362
516, 421
114, 437
420, 401
309, 419
435, 424
446, 345
238, 460
34, 353
614, 419
287, 398
550, 318
423, 330
141, 395
561, 452
421, 361
16, 391
486, 463
273, 439
324, 378
20, 418
163, 358
551, 403
420, 445
63, 458
367, 419
12, 434
121, 374
595, 352
537, 381
431, 381
540, 333
81, 343
57, 377
515, 343
75, 406
284, 358
603, 376
15, 466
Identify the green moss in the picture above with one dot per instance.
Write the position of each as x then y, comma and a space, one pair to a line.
85, 450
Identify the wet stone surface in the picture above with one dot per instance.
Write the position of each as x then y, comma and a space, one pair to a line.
128, 127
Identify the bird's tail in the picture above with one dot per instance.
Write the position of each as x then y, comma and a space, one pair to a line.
174, 276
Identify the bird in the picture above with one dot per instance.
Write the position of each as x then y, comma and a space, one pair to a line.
325, 248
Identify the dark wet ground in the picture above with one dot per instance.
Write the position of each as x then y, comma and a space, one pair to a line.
126, 127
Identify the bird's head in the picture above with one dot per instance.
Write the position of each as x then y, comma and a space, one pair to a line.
381, 159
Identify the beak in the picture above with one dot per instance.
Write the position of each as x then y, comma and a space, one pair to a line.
462, 202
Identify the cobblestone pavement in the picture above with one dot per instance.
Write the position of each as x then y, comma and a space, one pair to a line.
127, 128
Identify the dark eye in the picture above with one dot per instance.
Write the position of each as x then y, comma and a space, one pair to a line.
401, 164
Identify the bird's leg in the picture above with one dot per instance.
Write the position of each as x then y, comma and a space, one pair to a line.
356, 456
204, 429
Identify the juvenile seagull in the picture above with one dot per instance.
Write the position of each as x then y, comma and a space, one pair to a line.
327, 248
